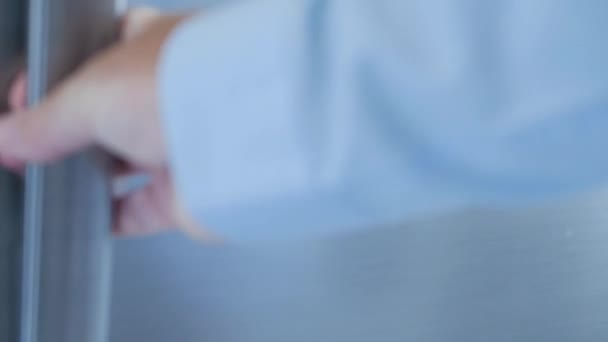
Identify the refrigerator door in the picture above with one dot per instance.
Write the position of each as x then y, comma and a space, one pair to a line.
482, 275
67, 246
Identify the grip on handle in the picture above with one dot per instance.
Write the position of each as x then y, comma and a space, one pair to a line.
9, 69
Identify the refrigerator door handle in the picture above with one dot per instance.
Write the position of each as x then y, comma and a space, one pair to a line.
67, 209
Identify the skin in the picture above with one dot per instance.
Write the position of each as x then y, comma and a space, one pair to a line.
110, 99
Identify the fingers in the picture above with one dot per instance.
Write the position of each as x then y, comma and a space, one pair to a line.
17, 96
42, 134
138, 214
153, 209
144, 210
17, 100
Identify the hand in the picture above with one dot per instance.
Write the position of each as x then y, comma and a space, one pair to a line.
107, 102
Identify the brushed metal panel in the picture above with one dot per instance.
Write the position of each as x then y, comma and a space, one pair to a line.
482, 275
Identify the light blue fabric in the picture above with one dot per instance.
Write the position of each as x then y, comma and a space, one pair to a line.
302, 118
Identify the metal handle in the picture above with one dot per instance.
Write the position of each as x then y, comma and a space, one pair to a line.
67, 243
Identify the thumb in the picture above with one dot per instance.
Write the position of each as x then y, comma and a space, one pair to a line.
41, 135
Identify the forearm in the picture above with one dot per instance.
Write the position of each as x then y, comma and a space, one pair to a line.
311, 117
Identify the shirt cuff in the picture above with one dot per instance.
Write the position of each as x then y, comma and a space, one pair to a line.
228, 81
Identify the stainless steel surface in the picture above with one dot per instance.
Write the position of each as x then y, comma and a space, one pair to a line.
67, 248
486, 275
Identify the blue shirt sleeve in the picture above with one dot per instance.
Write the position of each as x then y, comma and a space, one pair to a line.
302, 118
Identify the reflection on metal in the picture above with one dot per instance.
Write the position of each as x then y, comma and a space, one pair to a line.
67, 248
